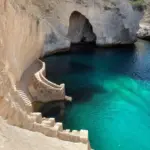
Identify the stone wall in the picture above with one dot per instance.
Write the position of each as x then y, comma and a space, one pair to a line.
43, 90
26, 140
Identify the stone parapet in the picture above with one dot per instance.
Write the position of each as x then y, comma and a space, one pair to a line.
43, 90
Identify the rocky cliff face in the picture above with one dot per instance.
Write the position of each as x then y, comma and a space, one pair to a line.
144, 31
21, 43
112, 21
31, 28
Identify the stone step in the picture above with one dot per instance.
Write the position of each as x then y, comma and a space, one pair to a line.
26, 100
48, 122
64, 135
52, 121
58, 126
38, 117
84, 136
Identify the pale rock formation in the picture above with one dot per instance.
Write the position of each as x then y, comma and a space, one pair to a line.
26, 28
113, 21
144, 31
80, 29
21, 43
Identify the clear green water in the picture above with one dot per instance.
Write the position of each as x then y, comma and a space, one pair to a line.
111, 94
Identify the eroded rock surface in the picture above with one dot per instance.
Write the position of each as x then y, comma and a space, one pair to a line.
80, 29
113, 21
144, 31
21, 43
32, 28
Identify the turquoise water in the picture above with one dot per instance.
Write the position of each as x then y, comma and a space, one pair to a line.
111, 94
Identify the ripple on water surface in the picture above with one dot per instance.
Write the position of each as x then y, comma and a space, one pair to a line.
111, 95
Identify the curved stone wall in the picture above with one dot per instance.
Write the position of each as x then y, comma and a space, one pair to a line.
43, 90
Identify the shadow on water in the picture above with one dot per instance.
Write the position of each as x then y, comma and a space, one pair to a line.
109, 84
122, 61
53, 109
128, 47
69, 65
85, 93
86, 49
78, 67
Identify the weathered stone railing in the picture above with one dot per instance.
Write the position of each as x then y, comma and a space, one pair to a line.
43, 90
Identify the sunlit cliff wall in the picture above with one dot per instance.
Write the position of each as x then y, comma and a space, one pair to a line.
21, 39
144, 31
113, 21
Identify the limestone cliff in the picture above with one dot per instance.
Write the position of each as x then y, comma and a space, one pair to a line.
112, 21
21, 43
144, 31
31, 28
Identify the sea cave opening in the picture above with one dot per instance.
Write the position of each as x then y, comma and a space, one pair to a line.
82, 37
80, 30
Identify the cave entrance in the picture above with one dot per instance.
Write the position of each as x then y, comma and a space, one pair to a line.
80, 29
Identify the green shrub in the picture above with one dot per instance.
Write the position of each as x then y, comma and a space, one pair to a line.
137, 2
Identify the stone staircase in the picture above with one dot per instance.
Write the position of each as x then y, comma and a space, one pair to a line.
16, 109
14, 115
26, 100
21, 99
